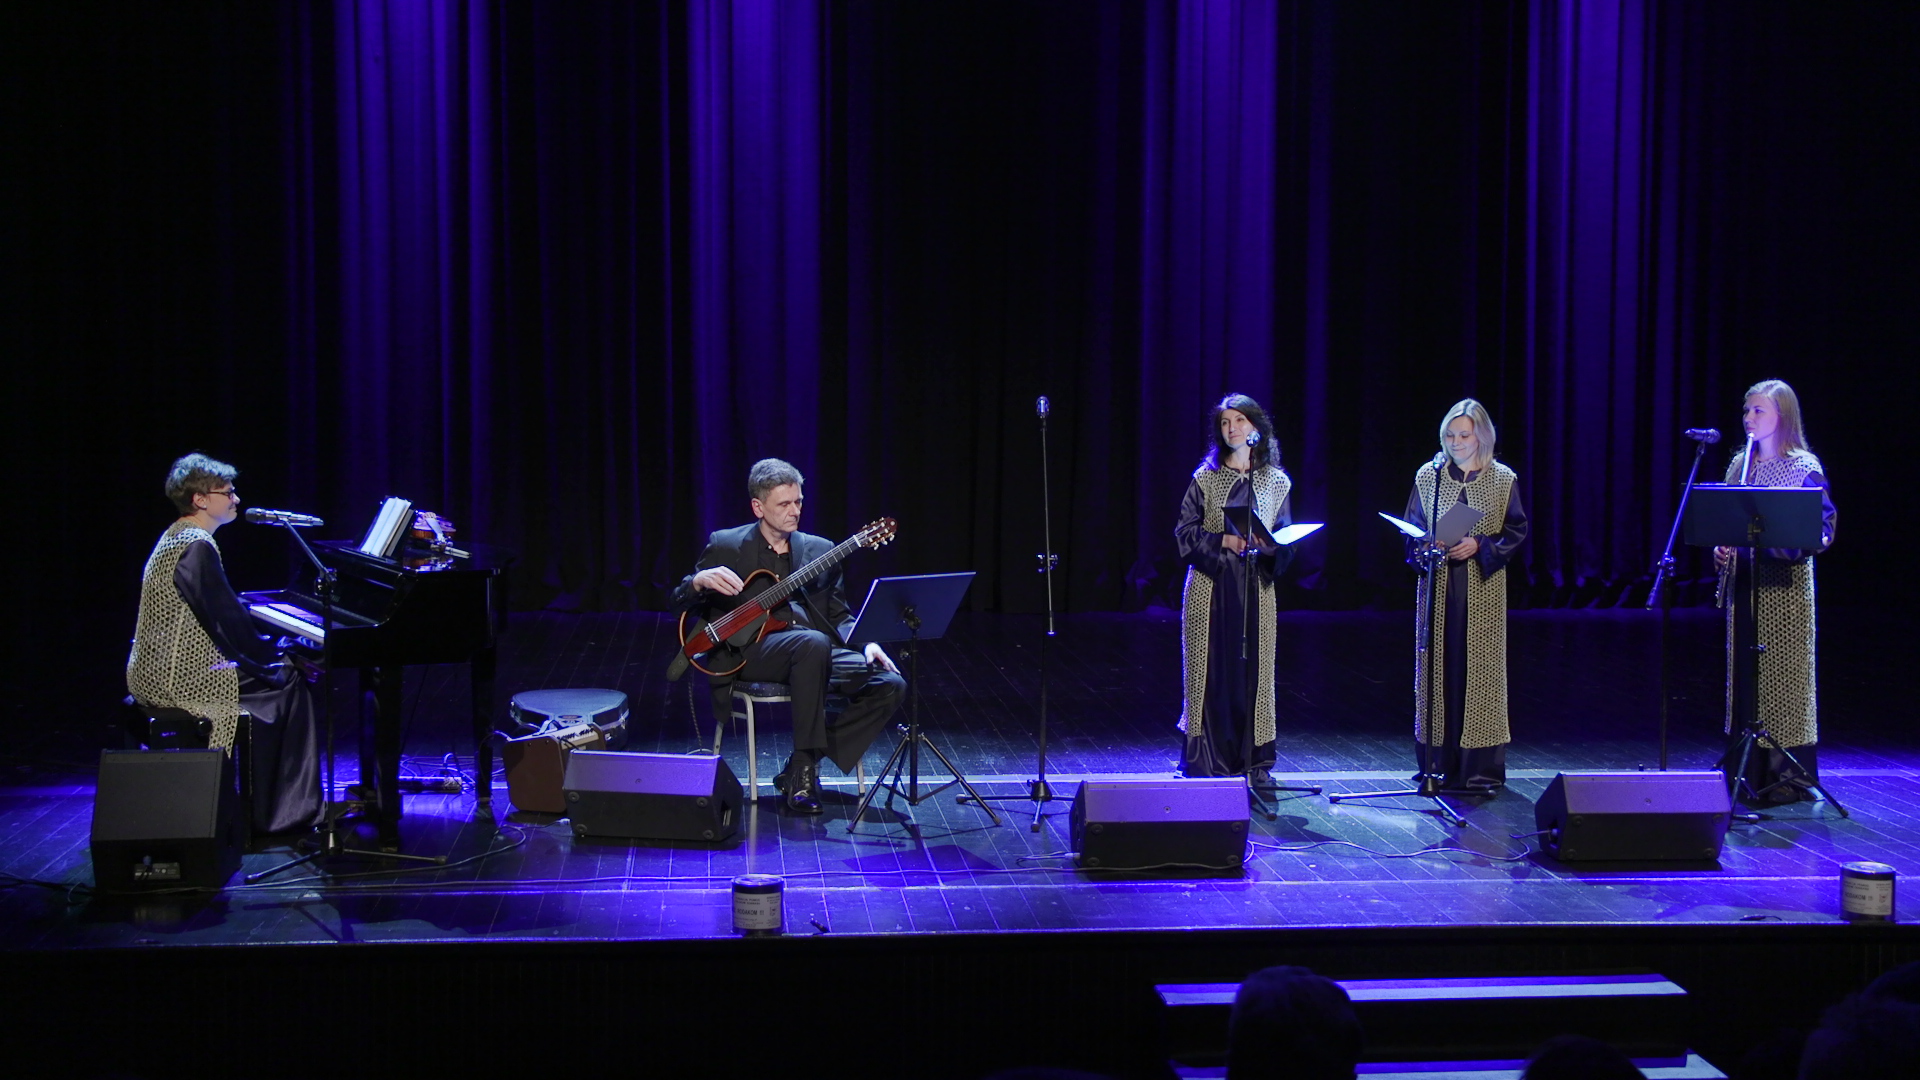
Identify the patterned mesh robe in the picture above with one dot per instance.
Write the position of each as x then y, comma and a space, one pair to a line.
1484, 721
1270, 489
1786, 614
174, 664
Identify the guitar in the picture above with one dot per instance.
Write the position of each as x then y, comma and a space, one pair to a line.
763, 591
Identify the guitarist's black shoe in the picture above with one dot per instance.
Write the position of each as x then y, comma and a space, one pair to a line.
800, 783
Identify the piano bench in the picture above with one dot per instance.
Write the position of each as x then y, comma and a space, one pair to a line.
160, 728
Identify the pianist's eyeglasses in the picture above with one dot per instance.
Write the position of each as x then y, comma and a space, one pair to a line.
229, 493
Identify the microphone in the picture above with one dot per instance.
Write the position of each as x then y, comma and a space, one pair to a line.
1704, 434
1042, 407
282, 517
1253, 438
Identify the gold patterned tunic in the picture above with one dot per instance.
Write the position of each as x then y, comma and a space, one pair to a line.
1469, 643
1218, 686
174, 662
1785, 609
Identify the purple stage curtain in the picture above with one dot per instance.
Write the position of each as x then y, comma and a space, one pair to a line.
562, 271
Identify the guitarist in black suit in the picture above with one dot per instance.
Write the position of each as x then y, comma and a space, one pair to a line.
812, 655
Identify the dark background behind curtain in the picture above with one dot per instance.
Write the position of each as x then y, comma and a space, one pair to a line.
562, 271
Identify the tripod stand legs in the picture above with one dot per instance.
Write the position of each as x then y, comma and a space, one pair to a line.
897, 764
1258, 789
1742, 752
1429, 789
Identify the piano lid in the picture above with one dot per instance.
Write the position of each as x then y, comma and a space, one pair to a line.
414, 557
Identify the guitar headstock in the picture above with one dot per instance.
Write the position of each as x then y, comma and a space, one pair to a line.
877, 532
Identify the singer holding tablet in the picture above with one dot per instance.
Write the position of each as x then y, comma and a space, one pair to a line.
194, 648
1228, 716
1776, 455
1469, 646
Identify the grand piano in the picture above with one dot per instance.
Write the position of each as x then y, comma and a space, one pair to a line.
388, 613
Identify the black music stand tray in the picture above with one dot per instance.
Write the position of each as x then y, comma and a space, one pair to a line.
911, 609
1751, 518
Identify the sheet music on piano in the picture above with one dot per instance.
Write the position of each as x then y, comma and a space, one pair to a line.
383, 536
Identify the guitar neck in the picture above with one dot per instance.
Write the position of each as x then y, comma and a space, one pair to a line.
773, 596
792, 582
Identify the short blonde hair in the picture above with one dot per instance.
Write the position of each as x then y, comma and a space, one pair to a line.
1793, 434
1476, 414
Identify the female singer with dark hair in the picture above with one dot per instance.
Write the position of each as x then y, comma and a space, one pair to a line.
1777, 455
1469, 636
1228, 717
194, 648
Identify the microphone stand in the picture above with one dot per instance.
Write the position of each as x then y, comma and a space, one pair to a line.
1662, 570
1039, 792
1431, 559
330, 845
1250, 559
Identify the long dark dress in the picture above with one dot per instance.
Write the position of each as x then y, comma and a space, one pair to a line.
1228, 719
1472, 751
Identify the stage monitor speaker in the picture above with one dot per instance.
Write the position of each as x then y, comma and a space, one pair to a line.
652, 796
164, 819
1150, 824
1629, 816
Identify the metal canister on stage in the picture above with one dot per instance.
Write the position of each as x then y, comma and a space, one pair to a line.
1866, 891
757, 905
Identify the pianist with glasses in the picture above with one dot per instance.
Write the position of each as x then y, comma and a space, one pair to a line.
194, 648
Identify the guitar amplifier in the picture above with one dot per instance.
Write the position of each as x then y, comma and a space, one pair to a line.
537, 765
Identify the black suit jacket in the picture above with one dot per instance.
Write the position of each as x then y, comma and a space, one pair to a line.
820, 604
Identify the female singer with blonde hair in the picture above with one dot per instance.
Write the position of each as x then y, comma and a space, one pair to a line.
1464, 720
1777, 455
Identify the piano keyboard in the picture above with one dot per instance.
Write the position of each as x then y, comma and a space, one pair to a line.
289, 619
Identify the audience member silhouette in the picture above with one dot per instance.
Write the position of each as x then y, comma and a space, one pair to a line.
1873, 1033
1577, 1057
1289, 1022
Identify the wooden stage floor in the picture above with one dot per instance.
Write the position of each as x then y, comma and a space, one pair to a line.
1386, 878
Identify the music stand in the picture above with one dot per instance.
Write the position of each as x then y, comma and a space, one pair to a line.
1748, 519
911, 609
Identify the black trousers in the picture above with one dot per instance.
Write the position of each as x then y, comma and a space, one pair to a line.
809, 662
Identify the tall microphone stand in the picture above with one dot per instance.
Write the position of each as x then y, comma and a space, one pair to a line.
1660, 595
1257, 790
330, 846
1039, 792
1431, 559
